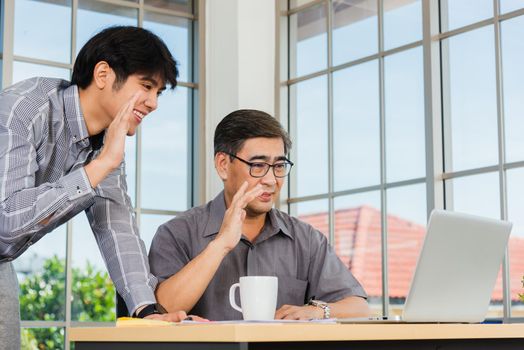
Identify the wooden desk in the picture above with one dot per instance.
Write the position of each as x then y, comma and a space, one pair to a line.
303, 336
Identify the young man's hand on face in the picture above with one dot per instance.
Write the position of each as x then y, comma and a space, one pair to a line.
113, 150
115, 138
231, 229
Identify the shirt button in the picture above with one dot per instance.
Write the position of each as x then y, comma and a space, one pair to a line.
29, 243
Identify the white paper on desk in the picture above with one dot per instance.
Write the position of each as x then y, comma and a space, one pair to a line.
329, 320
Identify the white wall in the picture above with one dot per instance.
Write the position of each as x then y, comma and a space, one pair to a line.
240, 66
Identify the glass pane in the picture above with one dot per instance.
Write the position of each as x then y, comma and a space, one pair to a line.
165, 159
512, 58
406, 231
356, 131
511, 5
309, 135
460, 13
22, 70
471, 99
149, 223
355, 30
308, 40
404, 97
173, 5
358, 242
402, 22
93, 291
94, 16
41, 275
516, 241
175, 33
478, 195
43, 29
315, 213
42, 338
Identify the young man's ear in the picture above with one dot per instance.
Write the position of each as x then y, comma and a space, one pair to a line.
221, 165
103, 75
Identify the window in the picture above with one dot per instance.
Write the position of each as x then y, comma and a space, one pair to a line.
355, 97
46, 35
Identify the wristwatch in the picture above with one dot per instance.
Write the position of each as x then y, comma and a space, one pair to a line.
323, 305
150, 309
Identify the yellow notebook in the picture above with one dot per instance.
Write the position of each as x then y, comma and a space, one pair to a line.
140, 322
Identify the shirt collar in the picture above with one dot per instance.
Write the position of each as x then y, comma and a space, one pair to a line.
218, 209
75, 118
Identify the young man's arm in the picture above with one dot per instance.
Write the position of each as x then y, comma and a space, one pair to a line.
24, 207
183, 290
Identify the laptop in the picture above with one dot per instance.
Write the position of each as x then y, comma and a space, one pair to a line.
456, 270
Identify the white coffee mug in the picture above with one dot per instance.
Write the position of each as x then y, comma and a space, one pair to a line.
258, 297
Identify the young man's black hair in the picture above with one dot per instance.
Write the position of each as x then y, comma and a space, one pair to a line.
128, 50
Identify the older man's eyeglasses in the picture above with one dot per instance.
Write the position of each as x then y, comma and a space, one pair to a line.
260, 169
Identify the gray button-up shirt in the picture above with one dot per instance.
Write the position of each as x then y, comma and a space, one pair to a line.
295, 252
44, 145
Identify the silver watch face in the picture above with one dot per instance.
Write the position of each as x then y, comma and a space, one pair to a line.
319, 303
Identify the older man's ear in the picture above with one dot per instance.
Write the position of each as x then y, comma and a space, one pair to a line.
221, 165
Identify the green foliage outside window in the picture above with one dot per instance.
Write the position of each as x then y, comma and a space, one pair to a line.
42, 297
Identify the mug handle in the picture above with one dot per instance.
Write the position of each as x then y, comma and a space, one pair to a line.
232, 297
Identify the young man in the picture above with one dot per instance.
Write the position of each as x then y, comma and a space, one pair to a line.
62, 152
198, 255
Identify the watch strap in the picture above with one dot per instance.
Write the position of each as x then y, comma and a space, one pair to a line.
150, 309
323, 305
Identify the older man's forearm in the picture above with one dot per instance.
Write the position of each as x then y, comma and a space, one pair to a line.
183, 290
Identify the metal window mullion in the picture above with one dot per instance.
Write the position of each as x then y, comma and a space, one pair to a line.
432, 107
140, 18
187, 84
383, 193
506, 295
331, 171
69, 227
161, 211
476, 171
138, 145
69, 281
199, 133
42, 62
8, 8
301, 8
42, 324
164, 11
123, 3
292, 104
192, 107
